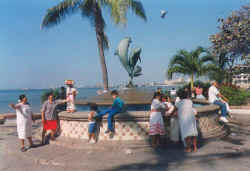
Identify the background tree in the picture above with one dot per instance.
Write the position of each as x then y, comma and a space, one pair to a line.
218, 69
234, 35
233, 39
93, 9
194, 63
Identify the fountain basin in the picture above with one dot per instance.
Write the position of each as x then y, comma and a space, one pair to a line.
134, 125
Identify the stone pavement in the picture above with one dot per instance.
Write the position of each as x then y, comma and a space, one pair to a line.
228, 154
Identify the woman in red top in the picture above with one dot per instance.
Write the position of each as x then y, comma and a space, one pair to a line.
198, 92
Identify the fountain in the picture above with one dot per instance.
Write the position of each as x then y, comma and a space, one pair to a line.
133, 124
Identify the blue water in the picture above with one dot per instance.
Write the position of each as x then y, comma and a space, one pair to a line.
34, 97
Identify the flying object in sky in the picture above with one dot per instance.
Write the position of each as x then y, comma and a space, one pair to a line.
163, 13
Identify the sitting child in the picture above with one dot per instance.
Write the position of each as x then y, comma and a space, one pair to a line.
92, 122
116, 108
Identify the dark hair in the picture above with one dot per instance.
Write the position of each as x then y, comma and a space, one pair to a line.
50, 94
157, 94
62, 88
93, 106
114, 92
22, 96
183, 94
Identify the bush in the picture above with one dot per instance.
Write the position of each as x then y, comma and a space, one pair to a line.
45, 95
203, 85
235, 95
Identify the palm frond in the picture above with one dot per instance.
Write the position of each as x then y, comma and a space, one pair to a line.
177, 60
176, 69
56, 14
197, 52
138, 9
119, 8
207, 58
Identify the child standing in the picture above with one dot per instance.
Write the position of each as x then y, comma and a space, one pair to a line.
156, 121
71, 93
174, 125
92, 122
116, 108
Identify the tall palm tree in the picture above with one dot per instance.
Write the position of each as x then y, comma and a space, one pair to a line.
93, 9
191, 63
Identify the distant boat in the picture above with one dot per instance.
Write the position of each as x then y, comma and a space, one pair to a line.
25, 89
100, 92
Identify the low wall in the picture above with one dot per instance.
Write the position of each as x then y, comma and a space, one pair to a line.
134, 125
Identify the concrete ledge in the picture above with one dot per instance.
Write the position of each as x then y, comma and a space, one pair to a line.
13, 115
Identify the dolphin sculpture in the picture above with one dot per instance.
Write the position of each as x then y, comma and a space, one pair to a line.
129, 62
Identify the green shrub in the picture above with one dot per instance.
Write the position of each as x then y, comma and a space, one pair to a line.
236, 96
203, 85
45, 95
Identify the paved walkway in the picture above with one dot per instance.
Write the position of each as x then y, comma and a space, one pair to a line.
228, 154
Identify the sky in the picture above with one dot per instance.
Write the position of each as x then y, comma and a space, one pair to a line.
35, 58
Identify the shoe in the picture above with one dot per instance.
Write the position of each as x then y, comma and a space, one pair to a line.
31, 146
230, 116
223, 119
107, 131
23, 149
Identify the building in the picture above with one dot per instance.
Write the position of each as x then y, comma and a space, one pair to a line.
241, 77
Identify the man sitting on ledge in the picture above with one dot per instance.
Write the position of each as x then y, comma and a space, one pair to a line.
116, 108
214, 97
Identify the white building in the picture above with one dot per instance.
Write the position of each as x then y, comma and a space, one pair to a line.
242, 79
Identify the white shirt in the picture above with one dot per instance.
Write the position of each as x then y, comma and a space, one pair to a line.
170, 107
212, 94
173, 92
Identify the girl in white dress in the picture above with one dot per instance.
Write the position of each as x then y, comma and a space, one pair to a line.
187, 122
24, 121
71, 94
174, 125
156, 123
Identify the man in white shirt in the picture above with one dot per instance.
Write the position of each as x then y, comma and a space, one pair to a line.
214, 97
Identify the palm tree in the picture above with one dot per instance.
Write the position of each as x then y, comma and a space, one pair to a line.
219, 71
191, 63
93, 9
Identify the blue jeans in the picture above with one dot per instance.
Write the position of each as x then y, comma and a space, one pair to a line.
223, 107
112, 112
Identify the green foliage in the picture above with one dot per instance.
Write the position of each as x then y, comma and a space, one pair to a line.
203, 85
93, 11
236, 96
56, 94
194, 63
234, 35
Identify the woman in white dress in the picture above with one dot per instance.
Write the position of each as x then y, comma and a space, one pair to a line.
156, 123
187, 122
71, 94
24, 121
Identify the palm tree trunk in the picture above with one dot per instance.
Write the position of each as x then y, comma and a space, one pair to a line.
99, 26
102, 61
192, 82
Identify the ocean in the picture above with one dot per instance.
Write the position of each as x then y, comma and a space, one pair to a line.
34, 97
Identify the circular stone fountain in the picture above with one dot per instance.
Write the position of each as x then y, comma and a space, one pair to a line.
134, 125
